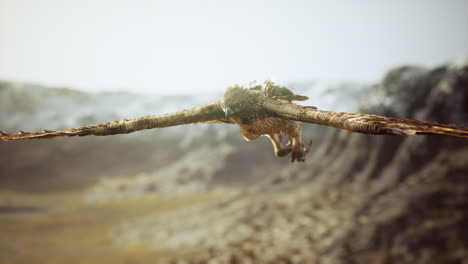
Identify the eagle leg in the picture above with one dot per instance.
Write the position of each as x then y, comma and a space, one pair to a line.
281, 150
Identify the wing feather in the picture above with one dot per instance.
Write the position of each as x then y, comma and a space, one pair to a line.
363, 123
211, 113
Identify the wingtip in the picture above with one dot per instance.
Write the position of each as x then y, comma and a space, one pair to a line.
4, 136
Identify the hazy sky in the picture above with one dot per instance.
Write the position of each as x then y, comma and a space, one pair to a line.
179, 46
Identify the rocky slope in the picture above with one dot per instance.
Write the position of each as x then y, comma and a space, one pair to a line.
358, 199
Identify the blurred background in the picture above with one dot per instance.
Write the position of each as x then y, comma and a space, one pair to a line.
185, 47
201, 193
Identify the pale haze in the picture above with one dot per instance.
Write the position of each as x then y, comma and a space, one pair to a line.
191, 47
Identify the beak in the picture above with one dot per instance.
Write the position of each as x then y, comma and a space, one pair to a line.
228, 112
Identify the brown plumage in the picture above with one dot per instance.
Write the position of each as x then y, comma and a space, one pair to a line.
261, 111
245, 108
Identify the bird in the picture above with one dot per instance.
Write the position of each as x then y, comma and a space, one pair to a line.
261, 110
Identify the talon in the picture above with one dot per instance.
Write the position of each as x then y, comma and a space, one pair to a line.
4, 133
293, 156
280, 149
47, 131
307, 147
21, 132
283, 152
300, 151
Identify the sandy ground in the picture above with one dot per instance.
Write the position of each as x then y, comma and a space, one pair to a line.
60, 228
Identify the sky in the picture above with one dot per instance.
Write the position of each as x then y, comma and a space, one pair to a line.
191, 47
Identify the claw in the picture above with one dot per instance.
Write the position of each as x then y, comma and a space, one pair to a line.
21, 132
298, 154
293, 156
307, 147
47, 131
3, 133
284, 151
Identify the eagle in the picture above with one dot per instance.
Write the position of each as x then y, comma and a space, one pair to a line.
261, 110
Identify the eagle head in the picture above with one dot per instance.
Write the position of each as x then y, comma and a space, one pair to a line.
240, 102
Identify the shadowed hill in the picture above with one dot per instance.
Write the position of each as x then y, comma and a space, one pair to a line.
358, 199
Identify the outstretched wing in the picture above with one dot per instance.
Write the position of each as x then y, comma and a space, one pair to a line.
211, 113
362, 123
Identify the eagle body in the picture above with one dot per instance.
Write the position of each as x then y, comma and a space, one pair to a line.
268, 125
244, 107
